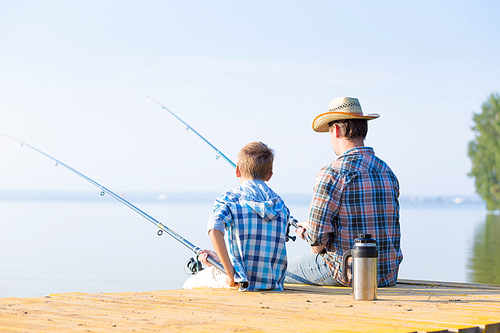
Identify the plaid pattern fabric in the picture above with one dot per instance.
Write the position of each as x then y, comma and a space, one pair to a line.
254, 221
356, 194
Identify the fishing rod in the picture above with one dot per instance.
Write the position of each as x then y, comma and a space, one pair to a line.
161, 226
219, 153
292, 221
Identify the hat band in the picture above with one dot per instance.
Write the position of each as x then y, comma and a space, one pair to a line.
344, 106
357, 114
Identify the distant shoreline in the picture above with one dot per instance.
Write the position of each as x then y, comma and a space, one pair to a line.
178, 197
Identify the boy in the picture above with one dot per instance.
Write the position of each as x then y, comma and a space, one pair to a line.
254, 219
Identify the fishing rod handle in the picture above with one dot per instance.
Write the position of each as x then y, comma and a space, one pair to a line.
217, 264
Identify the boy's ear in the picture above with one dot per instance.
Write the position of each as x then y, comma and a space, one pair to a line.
270, 175
238, 172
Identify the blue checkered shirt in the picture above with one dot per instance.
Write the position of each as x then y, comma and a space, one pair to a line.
254, 219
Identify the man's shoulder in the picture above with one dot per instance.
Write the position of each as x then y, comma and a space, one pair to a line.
377, 163
330, 170
331, 175
362, 158
345, 165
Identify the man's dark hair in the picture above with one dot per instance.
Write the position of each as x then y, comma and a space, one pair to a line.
352, 128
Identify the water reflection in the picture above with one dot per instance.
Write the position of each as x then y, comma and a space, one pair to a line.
484, 263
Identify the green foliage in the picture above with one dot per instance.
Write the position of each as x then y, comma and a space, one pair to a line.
484, 152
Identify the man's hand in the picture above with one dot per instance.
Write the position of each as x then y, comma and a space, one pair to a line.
301, 230
203, 257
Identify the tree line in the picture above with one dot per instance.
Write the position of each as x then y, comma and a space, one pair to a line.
484, 152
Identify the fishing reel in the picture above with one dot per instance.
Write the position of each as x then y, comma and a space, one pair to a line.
194, 266
287, 234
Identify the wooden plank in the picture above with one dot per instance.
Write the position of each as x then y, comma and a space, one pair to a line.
448, 284
405, 308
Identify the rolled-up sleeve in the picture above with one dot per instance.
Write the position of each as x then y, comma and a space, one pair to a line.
220, 217
323, 208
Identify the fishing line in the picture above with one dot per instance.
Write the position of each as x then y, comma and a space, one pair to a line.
292, 221
161, 226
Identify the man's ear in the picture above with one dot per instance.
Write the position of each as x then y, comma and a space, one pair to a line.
270, 175
335, 129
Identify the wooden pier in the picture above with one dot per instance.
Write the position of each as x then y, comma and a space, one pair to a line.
411, 306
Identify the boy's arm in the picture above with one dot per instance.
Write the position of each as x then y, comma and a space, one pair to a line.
217, 238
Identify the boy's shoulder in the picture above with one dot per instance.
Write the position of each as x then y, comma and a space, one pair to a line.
253, 190
231, 195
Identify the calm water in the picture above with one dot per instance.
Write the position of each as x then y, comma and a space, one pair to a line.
55, 243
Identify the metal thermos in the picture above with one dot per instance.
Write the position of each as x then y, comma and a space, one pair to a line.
364, 267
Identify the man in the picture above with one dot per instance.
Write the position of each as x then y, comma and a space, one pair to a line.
356, 194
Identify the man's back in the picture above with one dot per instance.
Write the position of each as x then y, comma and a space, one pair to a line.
362, 194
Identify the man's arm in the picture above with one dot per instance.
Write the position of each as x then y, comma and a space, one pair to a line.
323, 208
217, 238
302, 234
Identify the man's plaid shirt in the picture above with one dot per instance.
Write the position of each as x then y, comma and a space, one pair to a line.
357, 194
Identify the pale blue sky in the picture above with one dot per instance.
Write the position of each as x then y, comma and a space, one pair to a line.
74, 77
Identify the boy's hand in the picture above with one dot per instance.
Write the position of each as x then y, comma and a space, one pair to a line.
204, 255
230, 281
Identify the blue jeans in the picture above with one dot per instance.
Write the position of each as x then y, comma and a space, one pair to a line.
309, 269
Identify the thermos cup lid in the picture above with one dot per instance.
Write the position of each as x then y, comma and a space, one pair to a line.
365, 239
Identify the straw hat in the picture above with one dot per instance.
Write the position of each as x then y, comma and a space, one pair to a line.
338, 109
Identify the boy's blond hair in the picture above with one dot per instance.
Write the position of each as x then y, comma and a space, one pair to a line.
255, 160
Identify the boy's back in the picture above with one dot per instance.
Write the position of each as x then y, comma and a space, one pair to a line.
255, 219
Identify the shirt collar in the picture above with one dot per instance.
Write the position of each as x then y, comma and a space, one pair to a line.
253, 182
358, 150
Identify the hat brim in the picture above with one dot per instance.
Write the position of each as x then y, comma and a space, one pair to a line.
320, 123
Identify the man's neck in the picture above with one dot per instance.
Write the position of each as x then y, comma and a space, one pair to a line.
345, 145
